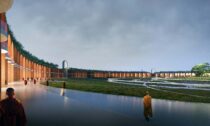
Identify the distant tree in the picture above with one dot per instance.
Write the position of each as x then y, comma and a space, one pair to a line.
201, 69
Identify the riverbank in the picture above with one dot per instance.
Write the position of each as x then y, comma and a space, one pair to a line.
102, 86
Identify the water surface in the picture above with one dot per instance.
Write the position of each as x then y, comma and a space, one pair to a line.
48, 106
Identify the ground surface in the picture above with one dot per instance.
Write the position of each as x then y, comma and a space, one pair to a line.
48, 106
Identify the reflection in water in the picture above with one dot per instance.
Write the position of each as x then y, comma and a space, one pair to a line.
69, 107
62, 92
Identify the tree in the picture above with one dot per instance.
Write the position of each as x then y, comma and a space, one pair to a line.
201, 69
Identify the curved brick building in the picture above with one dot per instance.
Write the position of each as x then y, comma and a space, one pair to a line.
18, 64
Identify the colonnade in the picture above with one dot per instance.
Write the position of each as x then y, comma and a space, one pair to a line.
15, 66
77, 73
107, 74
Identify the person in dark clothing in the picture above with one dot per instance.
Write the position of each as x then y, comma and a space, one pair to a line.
34, 81
25, 82
12, 111
1, 114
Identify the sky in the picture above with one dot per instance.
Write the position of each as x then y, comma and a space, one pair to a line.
128, 35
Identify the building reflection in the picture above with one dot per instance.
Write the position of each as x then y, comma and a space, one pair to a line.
62, 92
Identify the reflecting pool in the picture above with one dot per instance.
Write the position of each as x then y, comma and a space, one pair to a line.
48, 106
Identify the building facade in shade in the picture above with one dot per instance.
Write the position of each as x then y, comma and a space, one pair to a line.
83, 73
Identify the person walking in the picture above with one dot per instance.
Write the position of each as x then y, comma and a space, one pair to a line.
25, 82
12, 110
147, 106
34, 81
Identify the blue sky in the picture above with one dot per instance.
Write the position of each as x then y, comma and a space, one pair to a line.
115, 34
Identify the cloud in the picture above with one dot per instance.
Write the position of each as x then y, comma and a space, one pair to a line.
115, 35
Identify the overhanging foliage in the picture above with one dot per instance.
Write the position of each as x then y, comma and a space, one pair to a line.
27, 54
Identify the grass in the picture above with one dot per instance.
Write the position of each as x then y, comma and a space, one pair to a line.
102, 86
191, 92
